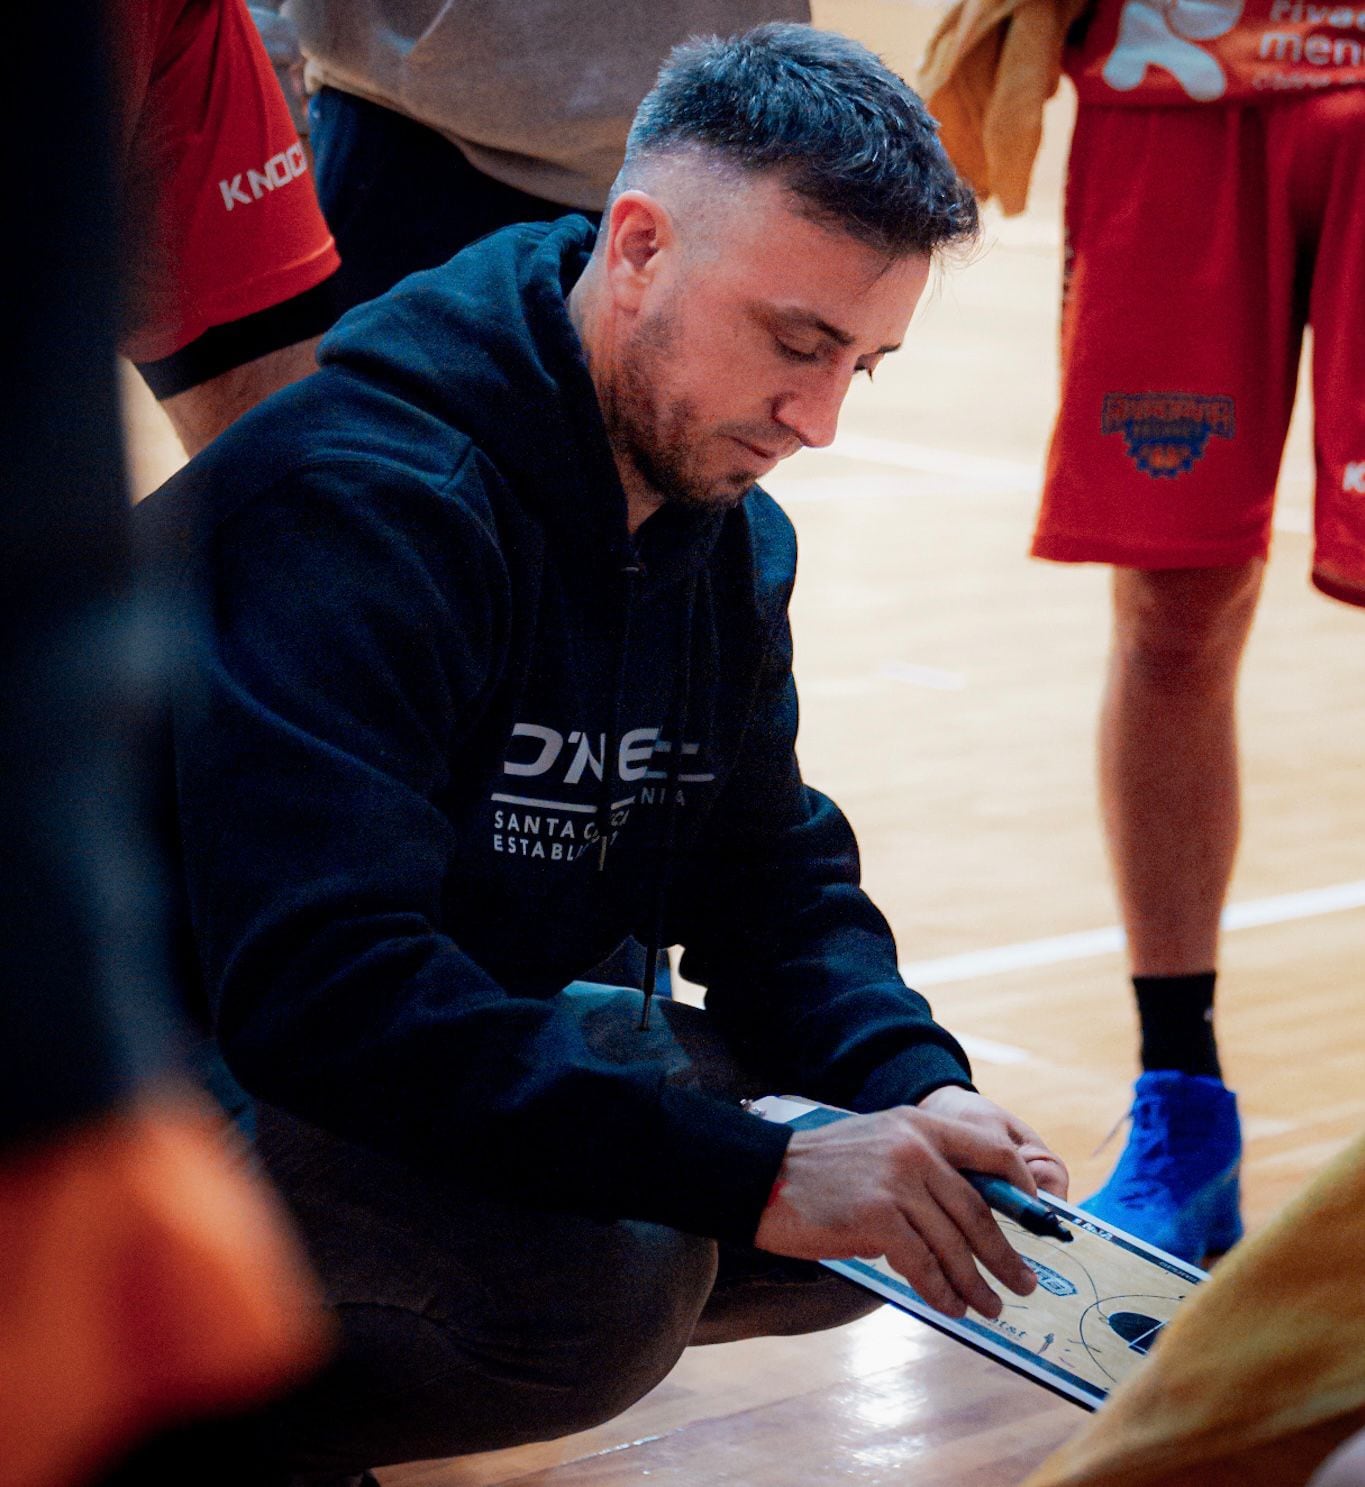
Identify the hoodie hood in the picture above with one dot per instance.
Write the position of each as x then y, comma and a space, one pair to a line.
484, 343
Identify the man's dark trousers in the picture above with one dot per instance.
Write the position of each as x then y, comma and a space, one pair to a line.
469, 1324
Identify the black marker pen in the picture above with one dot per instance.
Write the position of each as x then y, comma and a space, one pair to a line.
1027, 1212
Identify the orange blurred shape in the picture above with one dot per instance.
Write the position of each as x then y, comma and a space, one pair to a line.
145, 1277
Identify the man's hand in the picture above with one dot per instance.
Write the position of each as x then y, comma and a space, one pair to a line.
1046, 1169
891, 1184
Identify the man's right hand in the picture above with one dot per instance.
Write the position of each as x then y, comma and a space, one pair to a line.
891, 1184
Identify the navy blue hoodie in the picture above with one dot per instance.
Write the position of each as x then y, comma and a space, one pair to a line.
424, 779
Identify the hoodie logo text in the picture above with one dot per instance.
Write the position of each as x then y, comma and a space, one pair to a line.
570, 756
531, 819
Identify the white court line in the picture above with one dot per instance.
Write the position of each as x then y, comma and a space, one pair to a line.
987, 1051
915, 675
973, 964
1057, 949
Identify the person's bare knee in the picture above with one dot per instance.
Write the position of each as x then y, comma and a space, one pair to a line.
1181, 627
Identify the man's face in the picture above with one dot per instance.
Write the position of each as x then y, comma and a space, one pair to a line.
745, 343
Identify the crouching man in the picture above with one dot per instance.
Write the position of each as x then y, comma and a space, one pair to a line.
499, 673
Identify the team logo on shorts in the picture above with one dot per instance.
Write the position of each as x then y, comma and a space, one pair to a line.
1166, 432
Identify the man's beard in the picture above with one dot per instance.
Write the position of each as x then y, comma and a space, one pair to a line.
659, 439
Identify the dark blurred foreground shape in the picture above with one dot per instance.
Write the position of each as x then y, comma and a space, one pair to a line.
142, 1278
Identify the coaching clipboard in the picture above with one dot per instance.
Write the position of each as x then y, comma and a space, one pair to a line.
1101, 1301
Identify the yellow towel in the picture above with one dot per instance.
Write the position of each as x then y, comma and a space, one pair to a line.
1261, 1373
988, 70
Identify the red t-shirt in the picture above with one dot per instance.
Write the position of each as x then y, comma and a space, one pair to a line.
221, 218
1216, 51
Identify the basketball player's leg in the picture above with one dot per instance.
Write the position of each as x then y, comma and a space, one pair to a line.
1171, 807
1178, 380
1168, 734
1168, 758
1333, 149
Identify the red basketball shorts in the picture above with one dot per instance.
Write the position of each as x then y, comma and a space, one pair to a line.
1200, 242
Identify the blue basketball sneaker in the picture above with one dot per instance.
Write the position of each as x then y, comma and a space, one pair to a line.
1176, 1183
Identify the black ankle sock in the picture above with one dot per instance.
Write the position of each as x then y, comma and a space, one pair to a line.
1176, 1014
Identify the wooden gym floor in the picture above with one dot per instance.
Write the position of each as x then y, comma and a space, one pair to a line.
949, 688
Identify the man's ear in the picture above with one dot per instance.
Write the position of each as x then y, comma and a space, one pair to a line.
639, 232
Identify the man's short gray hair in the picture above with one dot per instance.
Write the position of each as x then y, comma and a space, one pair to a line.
853, 142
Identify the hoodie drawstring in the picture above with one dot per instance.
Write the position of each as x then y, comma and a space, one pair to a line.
631, 571
677, 732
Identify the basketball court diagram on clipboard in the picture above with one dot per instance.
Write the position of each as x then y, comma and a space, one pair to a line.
1099, 1308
